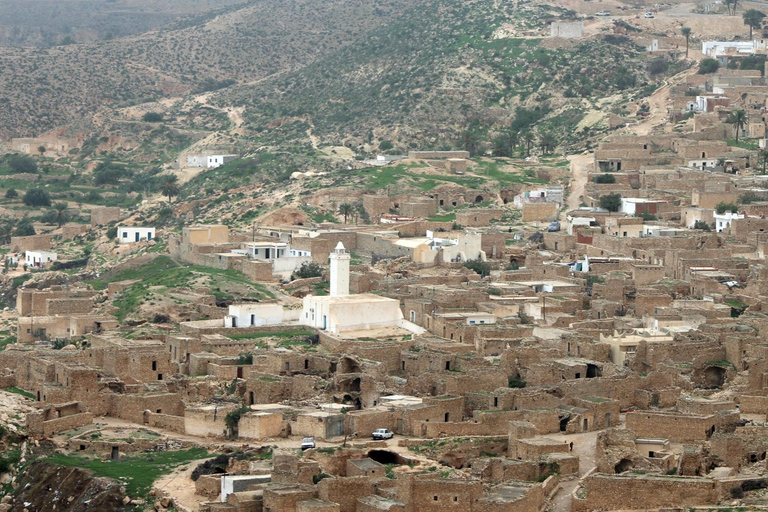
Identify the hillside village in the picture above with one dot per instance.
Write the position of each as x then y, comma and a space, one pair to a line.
534, 324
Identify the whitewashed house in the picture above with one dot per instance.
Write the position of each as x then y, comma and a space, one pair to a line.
39, 258
131, 234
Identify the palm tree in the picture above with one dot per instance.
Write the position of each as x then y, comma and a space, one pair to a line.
505, 144
686, 31
6, 228
762, 158
61, 213
345, 209
731, 5
753, 18
171, 186
547, 142
738, 119
528, 139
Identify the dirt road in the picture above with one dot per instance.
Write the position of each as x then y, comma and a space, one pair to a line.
580, 167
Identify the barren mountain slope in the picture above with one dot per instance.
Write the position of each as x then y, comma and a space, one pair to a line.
47, 88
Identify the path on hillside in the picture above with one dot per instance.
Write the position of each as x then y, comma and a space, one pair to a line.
580, 167
584, 447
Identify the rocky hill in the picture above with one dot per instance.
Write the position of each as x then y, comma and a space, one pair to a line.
444, 67
45, 23
66, 85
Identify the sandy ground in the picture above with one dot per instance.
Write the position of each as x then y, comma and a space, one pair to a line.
580, 167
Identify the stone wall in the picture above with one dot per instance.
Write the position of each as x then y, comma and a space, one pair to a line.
644, 492
103, 215
31, 243
540, 212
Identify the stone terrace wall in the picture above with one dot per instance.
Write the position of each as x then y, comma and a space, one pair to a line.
614, 492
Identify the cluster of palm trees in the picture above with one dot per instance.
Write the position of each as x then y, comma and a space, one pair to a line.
506, 144
355, 210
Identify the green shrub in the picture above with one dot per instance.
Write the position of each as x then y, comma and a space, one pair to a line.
605, 178
722, 207
306, 270
481, 267
611, 202
516, 382
37, 197
708, 66
152, 117
22, 164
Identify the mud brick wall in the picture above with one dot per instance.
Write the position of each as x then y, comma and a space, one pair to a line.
55, 426
476, 217
542, 212
614, 492
345, 491
678, 428
30, 243
68, 306
132, 407
166, 421
101, 216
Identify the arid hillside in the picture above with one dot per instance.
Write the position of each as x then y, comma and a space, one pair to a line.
54, 22
59, 86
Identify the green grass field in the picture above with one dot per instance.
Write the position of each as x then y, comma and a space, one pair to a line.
136, 472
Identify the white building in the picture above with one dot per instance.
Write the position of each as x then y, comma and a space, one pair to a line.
39, 258
721, 50
542, 195
723, 220
131, 234
208, 161
635, 205
267, 251
257, 314
342, 312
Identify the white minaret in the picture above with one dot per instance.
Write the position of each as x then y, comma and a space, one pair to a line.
339, 271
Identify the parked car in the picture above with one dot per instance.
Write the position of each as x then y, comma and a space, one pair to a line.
553, 226
307, 443
382, 433
649, 15
603, 13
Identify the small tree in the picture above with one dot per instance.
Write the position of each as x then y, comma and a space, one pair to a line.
708, 66
152, 117
605, 178
547, 142
24, 228
170, 186
37, 197
22, 164
61, 213
41, 150
12, 194
738, 119
722, 207
345, 209
385, 145
528, 139
700, 224
686, 31
762, 159
505, 144
753, 19
481, 267
306, 270
470, 141
611, 202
